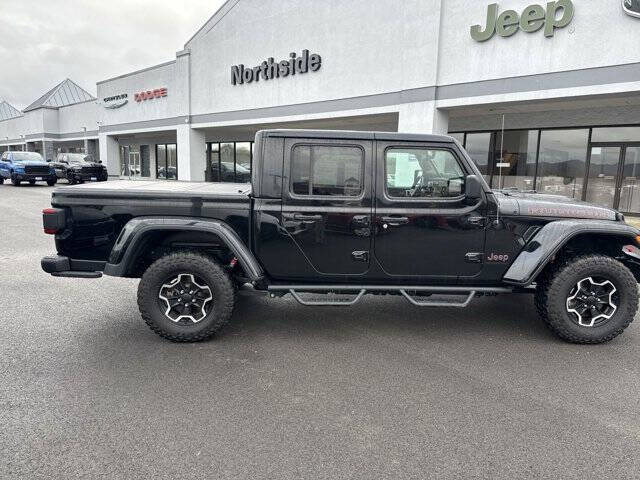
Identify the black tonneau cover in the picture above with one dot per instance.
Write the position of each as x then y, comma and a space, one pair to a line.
148, 190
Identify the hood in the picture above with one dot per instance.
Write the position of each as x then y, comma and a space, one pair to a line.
87, 164
30, 163
555, 206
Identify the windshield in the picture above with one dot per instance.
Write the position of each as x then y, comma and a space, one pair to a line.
79, 158
27, 157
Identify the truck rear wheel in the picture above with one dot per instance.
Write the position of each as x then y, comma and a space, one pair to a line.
186, 297
589, 299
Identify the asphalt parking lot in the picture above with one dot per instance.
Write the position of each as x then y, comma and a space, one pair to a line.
381, 390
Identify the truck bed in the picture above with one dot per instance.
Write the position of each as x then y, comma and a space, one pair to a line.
96, 213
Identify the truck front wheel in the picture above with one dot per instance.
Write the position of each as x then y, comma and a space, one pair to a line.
588, 299
186, 297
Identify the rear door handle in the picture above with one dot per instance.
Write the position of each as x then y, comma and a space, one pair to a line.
307, 218
477, 221
395, 221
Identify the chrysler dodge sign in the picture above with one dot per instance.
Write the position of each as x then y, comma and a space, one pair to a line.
631, 7
270, 69
115, 101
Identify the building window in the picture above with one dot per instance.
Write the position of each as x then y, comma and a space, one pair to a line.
478, 146
519, 150
167, 161
229, 162
421, 173
562, 161
603, 172
327, 170
630, 190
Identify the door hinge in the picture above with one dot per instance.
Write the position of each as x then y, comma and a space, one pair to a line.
473, 257
360, 256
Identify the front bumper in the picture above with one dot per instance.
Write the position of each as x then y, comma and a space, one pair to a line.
38, 177
88, 177
60, 266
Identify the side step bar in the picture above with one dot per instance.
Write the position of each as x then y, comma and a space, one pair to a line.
361, 290
429, 303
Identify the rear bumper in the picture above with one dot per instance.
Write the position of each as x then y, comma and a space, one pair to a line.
60, 266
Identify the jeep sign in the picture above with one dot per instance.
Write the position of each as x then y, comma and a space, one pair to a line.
557, 15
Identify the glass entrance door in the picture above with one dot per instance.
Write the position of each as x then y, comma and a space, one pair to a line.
614, 177
603, 175
134, 165
630, 183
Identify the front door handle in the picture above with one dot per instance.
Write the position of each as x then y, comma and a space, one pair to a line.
307, 218
395, 221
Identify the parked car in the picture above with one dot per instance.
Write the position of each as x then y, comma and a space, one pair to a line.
25, 167
350, 213
227, 174
79, 168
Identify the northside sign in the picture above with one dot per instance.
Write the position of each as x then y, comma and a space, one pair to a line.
534, 17
270, 69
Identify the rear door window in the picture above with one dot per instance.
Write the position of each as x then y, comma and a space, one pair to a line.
327, 170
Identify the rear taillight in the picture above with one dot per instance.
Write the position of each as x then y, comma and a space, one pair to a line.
53, 220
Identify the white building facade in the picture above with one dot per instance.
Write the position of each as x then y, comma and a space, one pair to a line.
549, 92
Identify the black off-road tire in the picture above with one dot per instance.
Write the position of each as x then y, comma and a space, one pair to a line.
51, 182
15, 182
197, 264
555, 286
1, 180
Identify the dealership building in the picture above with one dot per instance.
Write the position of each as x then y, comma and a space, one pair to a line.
544, 97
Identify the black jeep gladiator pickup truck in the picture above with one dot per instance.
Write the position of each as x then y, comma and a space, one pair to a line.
343, 214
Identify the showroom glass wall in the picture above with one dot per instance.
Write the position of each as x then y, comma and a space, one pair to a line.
599, 164
229, 162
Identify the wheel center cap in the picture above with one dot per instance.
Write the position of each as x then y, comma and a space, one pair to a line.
591, 301
186, 297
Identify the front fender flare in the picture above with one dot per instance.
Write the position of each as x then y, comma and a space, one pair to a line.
124, 251
551, 238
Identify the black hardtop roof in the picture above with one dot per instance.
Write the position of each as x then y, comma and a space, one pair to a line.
356, 135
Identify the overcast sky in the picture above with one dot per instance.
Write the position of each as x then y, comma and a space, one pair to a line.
45, 41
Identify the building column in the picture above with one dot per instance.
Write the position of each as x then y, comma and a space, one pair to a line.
48, 151
192, 155
110, 153
423, 117
91, 148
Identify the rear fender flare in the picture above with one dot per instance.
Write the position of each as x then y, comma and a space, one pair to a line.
124, 252
552, 238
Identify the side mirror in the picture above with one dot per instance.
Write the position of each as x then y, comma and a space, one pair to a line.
473, 188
